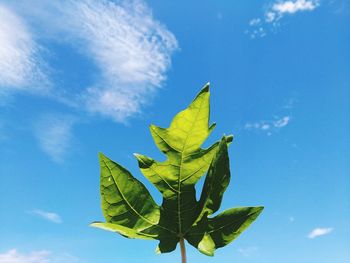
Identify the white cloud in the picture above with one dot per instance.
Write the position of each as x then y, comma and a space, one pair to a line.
258, 31
270, 16
41, 256
292, 7
248, 251
13, 256
255, 21
268, 126
265, 126
319, 232
54, 134
275, 12
281, 122
20, 64
131, 48
50, 216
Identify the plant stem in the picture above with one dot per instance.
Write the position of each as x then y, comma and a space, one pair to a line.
183, 250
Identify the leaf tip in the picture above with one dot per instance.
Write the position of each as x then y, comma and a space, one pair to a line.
256, 211
205, 88
153, 128
210, 254
143, 160
101, 155
94, 224
229, 138
158, 250
259, 209
137, 155
206, 252
212, 127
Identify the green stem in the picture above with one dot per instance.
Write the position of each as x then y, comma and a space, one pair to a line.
183, 250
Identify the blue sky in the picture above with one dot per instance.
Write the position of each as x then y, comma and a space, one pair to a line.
79, 77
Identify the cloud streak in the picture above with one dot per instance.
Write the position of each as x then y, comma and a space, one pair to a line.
292, 7
279, 9
131, 49
54, 134
275, 12
21, 67
248, 251
50, 216
268, 126
13, 256
317, 232
40, 256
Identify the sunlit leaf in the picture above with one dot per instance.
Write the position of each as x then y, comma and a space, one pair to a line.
130, 210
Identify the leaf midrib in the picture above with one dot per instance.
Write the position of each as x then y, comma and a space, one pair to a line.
161, 177
132, 208
182, 158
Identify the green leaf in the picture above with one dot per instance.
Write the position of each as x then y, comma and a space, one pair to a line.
125, 231
120, 199
216, 182
213, 233
130, 210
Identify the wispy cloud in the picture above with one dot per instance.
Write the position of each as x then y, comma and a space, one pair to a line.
268, 126
40, 256
54, 134
13, 256
50, 216
248, 251
292, 7
130, 47
319, 232
280, 123
21, 67
281, 8
275, 12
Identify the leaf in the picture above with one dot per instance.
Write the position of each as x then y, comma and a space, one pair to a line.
130, 210
213, 233
125, 231
216, 182
120, 200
